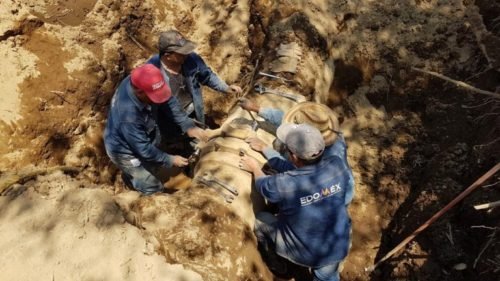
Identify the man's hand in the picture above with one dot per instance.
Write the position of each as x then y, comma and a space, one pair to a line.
179, 161
246, 104
197, 133
249, 164
234, 89
256, 144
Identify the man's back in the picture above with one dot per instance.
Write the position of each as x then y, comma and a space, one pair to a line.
313, 218
123, 108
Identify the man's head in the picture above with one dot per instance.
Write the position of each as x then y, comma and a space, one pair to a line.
317, 115
149, 85
173, 47
303, 141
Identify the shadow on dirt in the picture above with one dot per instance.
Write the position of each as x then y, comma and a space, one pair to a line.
450, 148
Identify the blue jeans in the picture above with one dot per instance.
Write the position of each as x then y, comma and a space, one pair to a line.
140, 176
265, 230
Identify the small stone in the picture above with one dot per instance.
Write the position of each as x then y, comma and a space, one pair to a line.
460, 266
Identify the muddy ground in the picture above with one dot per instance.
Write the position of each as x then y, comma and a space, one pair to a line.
415, 142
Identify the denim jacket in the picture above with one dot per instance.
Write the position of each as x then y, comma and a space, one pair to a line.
132, 127
313, 221
196, 73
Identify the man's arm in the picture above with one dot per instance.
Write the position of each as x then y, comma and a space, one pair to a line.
174, 110
266, 185
349, 193
271, 115
207, 77
135, 135
276, 161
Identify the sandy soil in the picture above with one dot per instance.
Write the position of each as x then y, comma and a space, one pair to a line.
414, 141
62, 229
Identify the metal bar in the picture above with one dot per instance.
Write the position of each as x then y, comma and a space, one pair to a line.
263, 90
226, 186
227, 197
274, 76
211, 178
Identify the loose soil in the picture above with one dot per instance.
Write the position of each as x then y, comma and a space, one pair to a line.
415, 142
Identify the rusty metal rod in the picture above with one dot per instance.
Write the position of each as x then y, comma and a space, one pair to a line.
462, 195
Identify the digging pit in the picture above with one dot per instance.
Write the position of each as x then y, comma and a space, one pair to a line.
415, 142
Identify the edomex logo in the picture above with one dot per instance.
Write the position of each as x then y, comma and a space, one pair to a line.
318, 196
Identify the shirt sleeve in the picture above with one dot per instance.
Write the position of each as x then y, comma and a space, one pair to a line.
271, 153
276, 161
267, 187
349, 193
174, 110
272, 115
135, 135
208, 78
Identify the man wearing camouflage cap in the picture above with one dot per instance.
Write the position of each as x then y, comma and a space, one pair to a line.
312, 228
186, 72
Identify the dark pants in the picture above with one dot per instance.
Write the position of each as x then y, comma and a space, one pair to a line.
265, 230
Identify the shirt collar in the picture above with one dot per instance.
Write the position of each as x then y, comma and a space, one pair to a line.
135, 100
163, 65
164, 69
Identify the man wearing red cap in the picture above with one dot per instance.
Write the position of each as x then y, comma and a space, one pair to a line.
185, 72
132, 135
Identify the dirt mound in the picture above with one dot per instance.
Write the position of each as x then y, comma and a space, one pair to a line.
60, 228
196, 230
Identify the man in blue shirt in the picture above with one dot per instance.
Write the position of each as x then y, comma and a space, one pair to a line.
185, 71
312, 227
315, 114
132, 135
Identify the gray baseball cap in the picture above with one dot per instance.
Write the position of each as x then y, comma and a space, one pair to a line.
303, 140
172, 41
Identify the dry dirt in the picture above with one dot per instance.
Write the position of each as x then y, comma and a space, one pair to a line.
415, 142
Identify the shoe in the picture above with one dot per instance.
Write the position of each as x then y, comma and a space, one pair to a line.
127, 182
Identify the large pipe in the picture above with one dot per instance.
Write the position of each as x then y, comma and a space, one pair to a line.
220, 156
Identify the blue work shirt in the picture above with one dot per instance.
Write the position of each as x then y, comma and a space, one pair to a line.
196, 73
132, 127
313, 222
338, 149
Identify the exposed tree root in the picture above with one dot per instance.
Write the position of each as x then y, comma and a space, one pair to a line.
458, 83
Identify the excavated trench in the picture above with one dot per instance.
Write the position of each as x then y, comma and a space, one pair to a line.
414, 142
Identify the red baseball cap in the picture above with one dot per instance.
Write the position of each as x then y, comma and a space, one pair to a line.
149, 79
